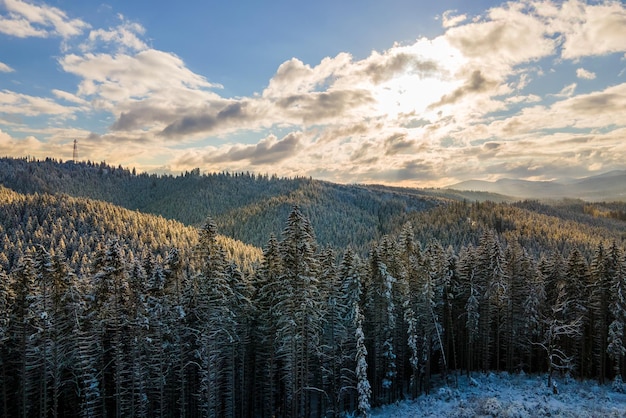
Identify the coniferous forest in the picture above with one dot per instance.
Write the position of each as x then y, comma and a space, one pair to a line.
120, 297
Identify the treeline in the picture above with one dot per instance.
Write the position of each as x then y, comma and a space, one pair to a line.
308, 333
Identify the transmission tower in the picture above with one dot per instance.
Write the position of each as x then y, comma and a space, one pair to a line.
75, 154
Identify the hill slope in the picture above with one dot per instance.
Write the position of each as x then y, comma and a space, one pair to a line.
247, 207
79, 227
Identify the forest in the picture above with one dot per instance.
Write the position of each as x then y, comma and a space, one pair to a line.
120, 297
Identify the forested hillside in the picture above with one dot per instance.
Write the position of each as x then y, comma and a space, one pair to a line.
106, 311
244, 206
77, 228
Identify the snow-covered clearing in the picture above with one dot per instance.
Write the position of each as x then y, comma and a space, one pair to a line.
515, 396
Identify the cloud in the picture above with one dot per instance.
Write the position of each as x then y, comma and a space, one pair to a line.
25, 105
316, 107
610, 101
510, 36
590, 29
270, 150
30, 20
384, 67
5, 68
397, 144
476, 83
206, 122
69, 97
449, 20
123, 77
124, 37
587, 75
567, 91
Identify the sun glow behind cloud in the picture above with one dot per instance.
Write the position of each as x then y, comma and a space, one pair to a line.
493, 95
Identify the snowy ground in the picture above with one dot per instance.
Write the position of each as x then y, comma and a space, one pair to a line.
515, 396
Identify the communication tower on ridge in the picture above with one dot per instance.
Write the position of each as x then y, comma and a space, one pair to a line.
75, 153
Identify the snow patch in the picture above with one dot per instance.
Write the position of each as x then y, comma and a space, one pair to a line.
512, 396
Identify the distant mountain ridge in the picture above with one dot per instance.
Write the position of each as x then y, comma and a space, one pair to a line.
609, 186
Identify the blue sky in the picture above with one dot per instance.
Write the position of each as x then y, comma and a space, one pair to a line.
398, 92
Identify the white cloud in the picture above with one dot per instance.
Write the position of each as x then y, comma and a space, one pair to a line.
5, 68
69, 97
23, 104
449, 19
590, 29
587, 75
123, 77
124, 37
567, 91
24, 20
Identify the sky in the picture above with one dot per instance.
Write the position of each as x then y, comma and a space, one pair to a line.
402, 92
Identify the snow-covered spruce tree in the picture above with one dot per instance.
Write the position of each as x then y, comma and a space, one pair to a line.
411, 262
602, 271
616, 348
44, 320
519, 276
6, 302
552, 268
111, 295
351, 293
334, 332
241, 308
23, 354
268, 294
469, 292
174, 307
157, 342
137, 350
300, 314
534, 310
216, 327
576, 287
491, 279
363, 387
68, 308
433, 288
381, 327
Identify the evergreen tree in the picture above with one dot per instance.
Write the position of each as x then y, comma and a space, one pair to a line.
363, 386
111, 295
6, 302
300, 314
615, 340
268, 295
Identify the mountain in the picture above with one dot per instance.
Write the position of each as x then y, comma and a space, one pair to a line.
610, 186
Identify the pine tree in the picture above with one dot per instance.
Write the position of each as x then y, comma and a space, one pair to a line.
300, 314
6, 302
363, 385
615, 340
602, 271
575, 286
268, 294
351, 294
24, 353
111, 294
